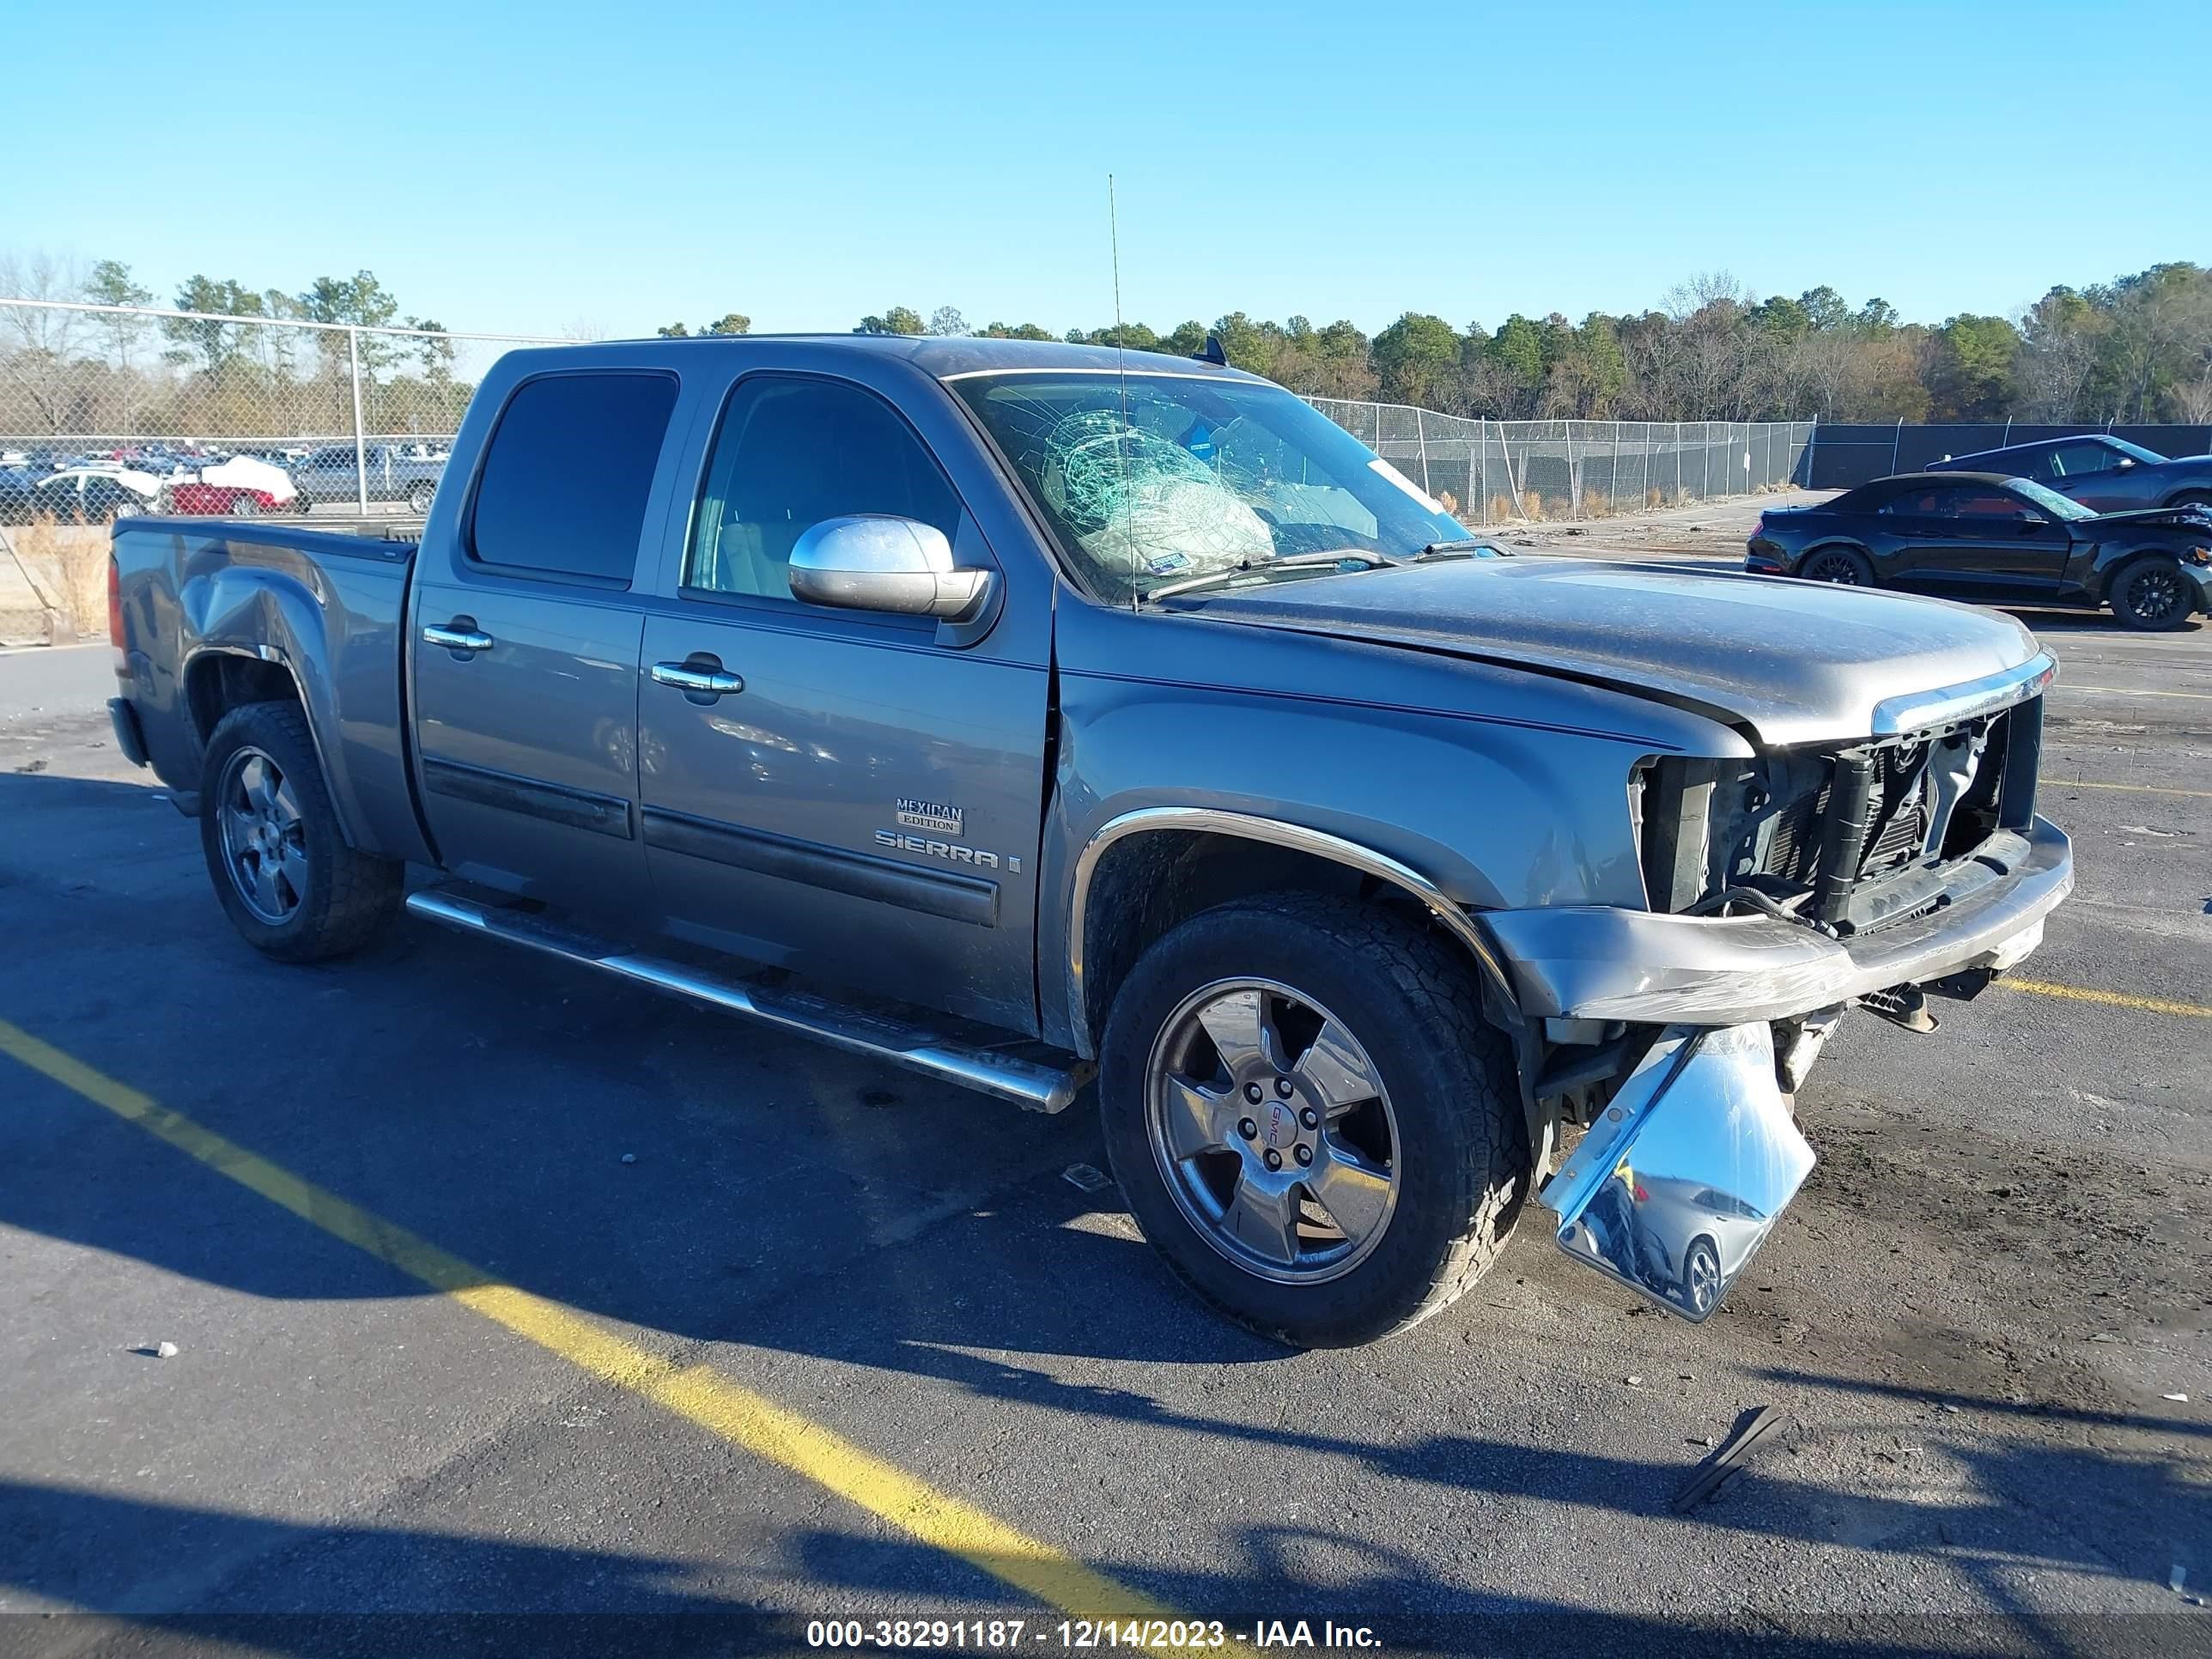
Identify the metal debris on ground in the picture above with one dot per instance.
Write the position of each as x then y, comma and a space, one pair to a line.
165, 1350
1635, 1382
1085, 1178
2177, 1398
1753, 1430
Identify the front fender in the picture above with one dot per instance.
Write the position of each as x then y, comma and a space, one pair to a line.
1466, 814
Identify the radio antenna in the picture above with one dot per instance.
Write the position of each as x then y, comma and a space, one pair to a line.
1121, 377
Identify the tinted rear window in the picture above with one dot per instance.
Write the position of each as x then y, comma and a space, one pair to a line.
568, 469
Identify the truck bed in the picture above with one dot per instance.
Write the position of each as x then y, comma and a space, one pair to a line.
212, 600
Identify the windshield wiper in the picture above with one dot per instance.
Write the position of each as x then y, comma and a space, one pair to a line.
1460, 549
1364, 560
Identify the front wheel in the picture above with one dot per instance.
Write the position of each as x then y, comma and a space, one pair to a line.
1310, 1118
2153, 595
420, 497
283, 872
1844, 567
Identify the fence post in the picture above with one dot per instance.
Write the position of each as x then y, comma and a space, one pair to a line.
1893, 445
1811, 449
359, 433
1613, 492
1479, 455
1421, 438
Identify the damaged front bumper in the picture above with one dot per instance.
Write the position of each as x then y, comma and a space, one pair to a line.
1684, 1173
1601, 963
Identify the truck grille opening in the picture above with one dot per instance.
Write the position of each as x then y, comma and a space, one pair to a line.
1877, 811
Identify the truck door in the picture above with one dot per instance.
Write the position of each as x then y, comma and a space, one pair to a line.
525, 645
853, 796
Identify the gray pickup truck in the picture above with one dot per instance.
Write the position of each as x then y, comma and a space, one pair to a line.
1018, 713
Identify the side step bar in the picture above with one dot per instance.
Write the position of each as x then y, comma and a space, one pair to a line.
1031, 1085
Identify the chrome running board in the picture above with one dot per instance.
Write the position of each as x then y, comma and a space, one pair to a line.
1031, 1085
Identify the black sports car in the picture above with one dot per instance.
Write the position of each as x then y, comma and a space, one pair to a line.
1996, 540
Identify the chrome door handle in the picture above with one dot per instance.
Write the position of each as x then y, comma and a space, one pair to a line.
459, 635
716, 681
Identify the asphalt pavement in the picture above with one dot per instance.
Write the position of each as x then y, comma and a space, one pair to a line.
496, 1291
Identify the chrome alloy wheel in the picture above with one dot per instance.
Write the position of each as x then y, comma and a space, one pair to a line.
1272, 1130
265, 843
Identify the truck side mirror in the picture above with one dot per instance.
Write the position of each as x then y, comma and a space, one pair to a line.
876, 562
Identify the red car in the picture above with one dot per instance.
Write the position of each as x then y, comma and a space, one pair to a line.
220, 500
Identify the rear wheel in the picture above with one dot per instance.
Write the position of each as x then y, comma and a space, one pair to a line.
2153, 595
281, 871
420, 497
2193, 498
1310, 1118
245, 505
1846, 566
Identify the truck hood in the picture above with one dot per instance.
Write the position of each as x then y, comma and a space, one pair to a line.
1795, 663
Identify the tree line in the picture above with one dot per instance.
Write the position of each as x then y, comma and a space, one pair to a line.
114, 373
2137, 349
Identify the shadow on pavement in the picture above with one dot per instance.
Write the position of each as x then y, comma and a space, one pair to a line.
484, 1100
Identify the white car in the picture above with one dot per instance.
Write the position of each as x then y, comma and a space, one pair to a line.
94, 494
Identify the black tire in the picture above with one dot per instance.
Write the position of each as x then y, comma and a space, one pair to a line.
420, 497
244, 505
1701, 1275
2154, 595
347, 898
1460, 1158
2193, 498
1844, 567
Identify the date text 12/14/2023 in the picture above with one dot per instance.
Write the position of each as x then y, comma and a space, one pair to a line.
1084, 1635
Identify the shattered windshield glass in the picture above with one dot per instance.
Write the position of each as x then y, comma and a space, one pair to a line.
1149, 481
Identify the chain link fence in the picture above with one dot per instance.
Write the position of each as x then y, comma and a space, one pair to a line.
110, 410
1495, 471
105, 410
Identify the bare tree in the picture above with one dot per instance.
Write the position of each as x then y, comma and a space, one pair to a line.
38, 346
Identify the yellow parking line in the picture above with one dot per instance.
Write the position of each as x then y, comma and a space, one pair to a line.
2108, 999
696, 1393
2132, 788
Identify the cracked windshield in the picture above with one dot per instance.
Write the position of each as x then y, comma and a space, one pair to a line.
1153, 481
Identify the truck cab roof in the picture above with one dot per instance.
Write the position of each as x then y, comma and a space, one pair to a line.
942, 358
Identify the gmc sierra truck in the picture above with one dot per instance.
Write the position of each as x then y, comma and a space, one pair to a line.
1023, 713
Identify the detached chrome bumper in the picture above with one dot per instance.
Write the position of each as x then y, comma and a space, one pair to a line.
1684, 1175
1597, 961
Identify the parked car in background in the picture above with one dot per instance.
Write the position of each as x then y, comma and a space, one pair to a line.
2099, 471
1996, 540
92, 495
407, 471
241, 486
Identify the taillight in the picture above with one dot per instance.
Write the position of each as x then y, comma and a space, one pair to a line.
122, 656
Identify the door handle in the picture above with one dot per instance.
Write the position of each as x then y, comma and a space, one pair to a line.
461, 633
698, 678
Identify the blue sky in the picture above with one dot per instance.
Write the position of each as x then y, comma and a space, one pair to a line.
535, 167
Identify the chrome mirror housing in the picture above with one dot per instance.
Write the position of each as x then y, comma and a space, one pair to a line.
876, 562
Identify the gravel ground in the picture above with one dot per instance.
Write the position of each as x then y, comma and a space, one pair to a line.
1973, 1318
